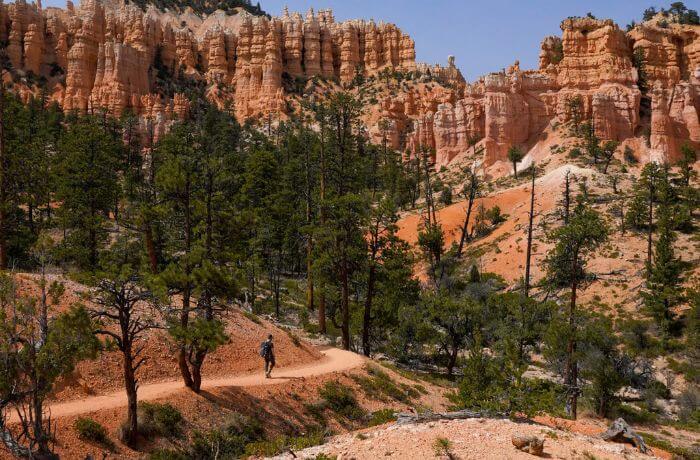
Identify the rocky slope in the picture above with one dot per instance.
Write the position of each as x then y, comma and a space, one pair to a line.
107, 55
468, 439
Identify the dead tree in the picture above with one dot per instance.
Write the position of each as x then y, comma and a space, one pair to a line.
528, 257
470, 192
566, 200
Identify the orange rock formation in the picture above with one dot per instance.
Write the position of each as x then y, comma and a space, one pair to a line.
593, 62
112, 56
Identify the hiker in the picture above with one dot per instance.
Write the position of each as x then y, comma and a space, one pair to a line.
267, 351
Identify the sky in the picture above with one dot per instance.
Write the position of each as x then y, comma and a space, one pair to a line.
483, 35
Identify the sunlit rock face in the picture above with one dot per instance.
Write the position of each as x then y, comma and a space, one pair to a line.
594, 62
111, 56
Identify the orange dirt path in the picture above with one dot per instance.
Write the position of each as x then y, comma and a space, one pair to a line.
334, 360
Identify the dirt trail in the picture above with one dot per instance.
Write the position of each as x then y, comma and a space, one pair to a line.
334, 360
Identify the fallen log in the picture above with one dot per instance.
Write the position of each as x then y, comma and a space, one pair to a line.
404, 417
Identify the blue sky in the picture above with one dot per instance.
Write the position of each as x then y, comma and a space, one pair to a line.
484, 36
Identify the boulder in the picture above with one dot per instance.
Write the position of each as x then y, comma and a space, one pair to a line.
530, 444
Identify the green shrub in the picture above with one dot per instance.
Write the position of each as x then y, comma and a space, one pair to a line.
252, 317
443, 448
446, 196
382, 382
167, 454
227, 442
689, 402
160, 420
323, 456
269, 448
690, 372
635, 415
381, 417
316, 411
495, 216
629, 155
420, 388
91, 431
679, 452
215, 444
341, 400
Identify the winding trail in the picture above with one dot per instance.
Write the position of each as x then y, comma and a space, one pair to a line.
334, 360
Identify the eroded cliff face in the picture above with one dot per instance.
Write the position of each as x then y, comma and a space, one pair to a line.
594, 63
671, 70
113, 56
107, 55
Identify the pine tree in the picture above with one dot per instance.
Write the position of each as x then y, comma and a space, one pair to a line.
640, 212
197, 184
381, 240
608, 152
565, 265
454, 321
515, 155
664, 281
87, 189
341, 248
125, 311
38, 345
688, 158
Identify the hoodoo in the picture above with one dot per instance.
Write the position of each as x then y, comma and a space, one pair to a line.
113, 56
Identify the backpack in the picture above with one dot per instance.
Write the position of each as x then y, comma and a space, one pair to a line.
265, 348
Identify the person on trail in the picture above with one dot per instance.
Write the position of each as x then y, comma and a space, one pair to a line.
267, 351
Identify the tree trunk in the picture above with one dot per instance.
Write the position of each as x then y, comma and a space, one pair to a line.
528, 256
572, 365
322, 313
345, 304
275, 284
132, 424
186, 294
30, 216
42, 438
150, 247
92, 237
309, 276
197, 365
452, 362
3, 186
322, 213
182, 354
650, 228
465, 226
622, 216
567, 198
367, 319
